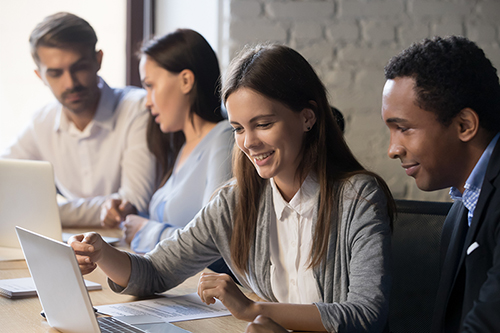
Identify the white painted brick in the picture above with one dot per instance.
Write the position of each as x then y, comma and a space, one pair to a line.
338, 78
378, 56
300, 10
490, 10
357, 97
310, 30
481, 33
492, 53
366, 135
343, 31
341, 97
317, 53
439, 8
348, 42
370, 79
414, 33
245, 9
378, 32
360, 8
447, 29
246, 31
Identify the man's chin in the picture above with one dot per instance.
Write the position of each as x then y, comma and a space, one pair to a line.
76, 107
429, 186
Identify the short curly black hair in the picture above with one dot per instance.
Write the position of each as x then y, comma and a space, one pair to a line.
450, 74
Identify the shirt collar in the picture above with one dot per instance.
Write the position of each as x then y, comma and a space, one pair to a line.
104, 113
476, 178
302, 202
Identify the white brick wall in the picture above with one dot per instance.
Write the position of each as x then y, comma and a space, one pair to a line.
348, 42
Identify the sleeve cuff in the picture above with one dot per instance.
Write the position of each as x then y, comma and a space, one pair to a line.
148, 236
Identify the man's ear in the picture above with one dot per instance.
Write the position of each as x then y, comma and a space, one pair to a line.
39, 74
467, 122
98, 56
187, 81
309, 117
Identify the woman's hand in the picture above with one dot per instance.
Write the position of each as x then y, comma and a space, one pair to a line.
133, 223
114, 211
263, 324
88, 250
222, 287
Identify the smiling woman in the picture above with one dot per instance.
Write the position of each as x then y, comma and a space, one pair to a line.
303, 224
266, 131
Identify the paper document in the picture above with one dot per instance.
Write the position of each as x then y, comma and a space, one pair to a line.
169, 309
25, 287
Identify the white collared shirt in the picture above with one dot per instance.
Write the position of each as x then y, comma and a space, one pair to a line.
291, 239
108, 158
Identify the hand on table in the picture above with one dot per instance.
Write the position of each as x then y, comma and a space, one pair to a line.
222, 287
263, 324
133, 223
87, 248
114, 211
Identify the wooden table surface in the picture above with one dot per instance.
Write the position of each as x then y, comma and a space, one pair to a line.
23, 315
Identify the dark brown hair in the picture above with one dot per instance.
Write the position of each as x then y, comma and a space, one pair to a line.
282, 74
175, 52
62, 30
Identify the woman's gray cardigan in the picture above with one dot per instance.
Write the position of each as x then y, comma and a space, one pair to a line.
353, 282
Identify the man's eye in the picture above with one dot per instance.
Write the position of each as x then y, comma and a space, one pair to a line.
54, 74
265, 125
81, 67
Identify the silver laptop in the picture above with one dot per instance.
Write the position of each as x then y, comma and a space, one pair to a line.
62, 293
27, 199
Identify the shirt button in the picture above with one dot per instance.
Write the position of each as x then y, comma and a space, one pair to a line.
294, 244
292, 282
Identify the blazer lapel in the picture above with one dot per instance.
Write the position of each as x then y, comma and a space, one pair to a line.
484, 198
487, 189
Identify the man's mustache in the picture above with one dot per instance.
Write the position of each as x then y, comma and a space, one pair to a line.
74, 90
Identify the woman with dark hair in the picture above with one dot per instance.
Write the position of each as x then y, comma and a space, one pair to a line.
303, 224
186, 133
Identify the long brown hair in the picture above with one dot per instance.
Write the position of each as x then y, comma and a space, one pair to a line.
175, 52
282, 74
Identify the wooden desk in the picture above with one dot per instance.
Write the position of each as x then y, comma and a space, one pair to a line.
23, 315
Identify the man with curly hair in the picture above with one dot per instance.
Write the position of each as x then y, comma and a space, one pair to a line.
441, 103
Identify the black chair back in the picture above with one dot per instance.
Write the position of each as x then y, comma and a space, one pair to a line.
415, 253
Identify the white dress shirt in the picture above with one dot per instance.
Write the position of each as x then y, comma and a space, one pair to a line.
291, 239
108, 158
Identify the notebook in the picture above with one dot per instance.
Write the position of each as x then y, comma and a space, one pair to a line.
62, 293
25, 287
27, 199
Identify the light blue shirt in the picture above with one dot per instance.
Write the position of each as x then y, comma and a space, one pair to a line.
189, 188
472, 187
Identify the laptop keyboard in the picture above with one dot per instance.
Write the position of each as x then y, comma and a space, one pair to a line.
112, 325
